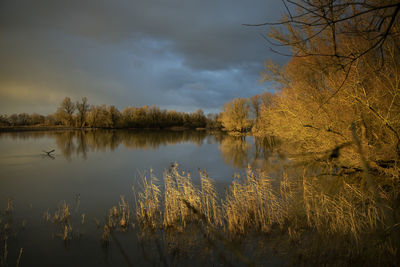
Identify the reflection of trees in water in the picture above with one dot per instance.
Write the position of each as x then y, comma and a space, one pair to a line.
82, 144
239, 151
102, 140
80, 141
65, 143
235, 150
24, 135
264, 152
154, 139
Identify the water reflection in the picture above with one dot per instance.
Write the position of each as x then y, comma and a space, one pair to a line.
241, 151
93, 179
237, 151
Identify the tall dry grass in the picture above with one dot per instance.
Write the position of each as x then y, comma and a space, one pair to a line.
175, 207
258, 202
9, 231
253, 203
303, 208
148, 210
348, 210
179, 187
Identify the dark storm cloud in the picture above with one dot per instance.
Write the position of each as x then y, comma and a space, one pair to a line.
178, 53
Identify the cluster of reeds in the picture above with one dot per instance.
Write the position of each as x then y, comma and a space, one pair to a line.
148, 200
330, 207
179, 193
347, 210
119, 218
8, 230
257, 201
253, 203
179, 213
62, 218
5, 232
176, 208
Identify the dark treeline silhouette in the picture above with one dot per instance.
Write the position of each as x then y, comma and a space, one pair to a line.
81, 114
153, 117
23, 119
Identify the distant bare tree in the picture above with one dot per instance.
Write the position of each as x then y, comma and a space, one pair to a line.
93, 116
114, 116
66, 110
4, 121
83, 108
36, 119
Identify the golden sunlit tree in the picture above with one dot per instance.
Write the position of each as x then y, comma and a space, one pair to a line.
65, 112
340, 91
235, 115
93, 116
82, 108
114, 117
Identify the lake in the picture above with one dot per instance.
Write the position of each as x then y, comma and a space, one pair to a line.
90, 170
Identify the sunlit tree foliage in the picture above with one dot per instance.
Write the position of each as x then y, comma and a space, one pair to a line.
235, 116
342, 85
65, 112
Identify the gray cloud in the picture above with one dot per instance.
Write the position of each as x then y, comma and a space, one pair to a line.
176, 53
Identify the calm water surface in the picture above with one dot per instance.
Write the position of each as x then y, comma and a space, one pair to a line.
90, 170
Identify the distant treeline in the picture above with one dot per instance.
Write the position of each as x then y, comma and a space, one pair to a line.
80, 114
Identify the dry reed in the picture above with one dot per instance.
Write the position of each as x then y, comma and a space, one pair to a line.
178, 187
302, 207
148, 203
258, 202
66, 227
253, 203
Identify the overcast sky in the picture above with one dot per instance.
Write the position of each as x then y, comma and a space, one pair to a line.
176, 54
